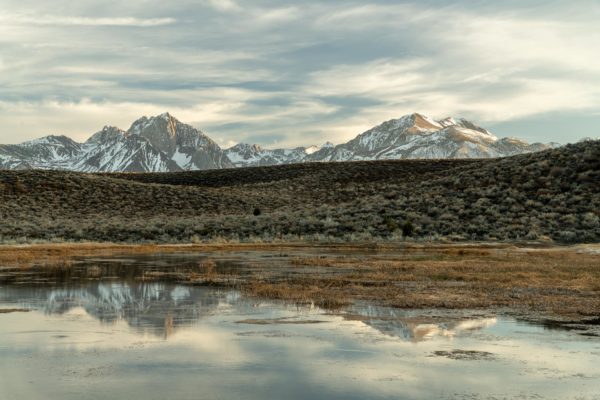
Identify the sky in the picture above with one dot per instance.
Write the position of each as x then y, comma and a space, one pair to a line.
290, 73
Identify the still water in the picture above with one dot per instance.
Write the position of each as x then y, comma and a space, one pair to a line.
126, 339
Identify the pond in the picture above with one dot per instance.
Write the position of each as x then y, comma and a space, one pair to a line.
117, 337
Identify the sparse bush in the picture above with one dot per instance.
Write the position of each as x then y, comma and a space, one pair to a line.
567, 236
408, 229
391, 225
590, 220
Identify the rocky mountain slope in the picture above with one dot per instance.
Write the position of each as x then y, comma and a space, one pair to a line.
164, 144
409, 137
417, 136
251, 155
156, 144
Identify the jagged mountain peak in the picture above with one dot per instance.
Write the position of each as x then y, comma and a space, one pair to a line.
246, 147
422, 121
448, 121
311, 149
54, 149
514, 140
50, 139
166, 116
152, 144
470, 125
243, 154
164, 122
187, 146
110, 128
414, 123
165, 125
107, 133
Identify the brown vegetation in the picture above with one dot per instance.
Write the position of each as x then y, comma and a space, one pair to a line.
12, 310
550, 281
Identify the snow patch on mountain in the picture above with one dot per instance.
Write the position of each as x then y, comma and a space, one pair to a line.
246, 155
418, 136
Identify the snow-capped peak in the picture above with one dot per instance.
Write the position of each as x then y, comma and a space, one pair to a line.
107, 133
144, 123
448, 121
311, 149
470, 125
246, 147
424, 122
50, 139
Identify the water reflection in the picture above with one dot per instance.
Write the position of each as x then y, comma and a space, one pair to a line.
417, 327
161, 308
120, 339
156, 308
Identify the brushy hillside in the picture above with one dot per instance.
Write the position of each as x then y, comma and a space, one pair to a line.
550, 195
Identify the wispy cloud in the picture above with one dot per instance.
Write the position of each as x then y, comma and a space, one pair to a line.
84, 21
377, 78
224, 5
411, 85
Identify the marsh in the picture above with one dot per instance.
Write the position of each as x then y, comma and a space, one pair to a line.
193, 325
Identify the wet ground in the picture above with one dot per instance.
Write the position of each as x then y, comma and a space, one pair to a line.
99, 330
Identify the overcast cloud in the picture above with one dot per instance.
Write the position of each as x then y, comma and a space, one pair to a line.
291, 73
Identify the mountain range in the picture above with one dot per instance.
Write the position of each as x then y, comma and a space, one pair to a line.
164, 144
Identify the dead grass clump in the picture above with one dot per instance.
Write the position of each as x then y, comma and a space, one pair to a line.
209, 270
320, 261
13, 310
296, 294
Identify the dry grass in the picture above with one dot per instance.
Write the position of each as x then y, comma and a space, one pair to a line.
64, 254
298, 292
12, 310
554, 281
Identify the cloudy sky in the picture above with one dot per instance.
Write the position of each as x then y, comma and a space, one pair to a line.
284, 73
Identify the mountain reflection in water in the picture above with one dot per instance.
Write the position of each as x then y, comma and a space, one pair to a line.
155, 340
157, 308
162, 308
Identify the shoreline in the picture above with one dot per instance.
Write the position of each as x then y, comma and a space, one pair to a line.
383, 245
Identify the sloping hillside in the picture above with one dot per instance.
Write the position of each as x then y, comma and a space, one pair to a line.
554, 194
